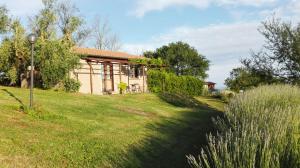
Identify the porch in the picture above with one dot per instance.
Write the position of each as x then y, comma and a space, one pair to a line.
101, 74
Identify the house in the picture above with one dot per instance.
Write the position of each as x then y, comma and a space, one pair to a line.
210, 85
102, 71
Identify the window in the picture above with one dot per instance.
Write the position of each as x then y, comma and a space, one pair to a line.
134, 71
107, 71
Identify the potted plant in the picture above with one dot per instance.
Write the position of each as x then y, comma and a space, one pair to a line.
122, 87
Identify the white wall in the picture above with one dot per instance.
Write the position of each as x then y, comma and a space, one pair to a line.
83, 76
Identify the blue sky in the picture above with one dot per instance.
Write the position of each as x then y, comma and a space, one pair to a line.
223, 30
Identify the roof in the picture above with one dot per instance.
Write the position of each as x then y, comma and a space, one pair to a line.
210, 83
104, 53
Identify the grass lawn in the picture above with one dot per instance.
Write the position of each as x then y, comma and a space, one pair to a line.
75, 130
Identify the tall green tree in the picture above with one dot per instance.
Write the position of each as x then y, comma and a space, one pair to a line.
242, 78
44, 23
14, 54
4, 19
278, 61
20, 49
280, 56
70, 23
54, 57
182, 59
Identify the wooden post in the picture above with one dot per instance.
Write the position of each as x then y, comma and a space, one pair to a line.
104, 69
112, 76
91, 77
120, 72
128, 73
143, 78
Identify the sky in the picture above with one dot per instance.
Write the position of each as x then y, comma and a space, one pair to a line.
225, 31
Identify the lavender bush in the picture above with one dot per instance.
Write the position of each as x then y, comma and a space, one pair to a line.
260, 130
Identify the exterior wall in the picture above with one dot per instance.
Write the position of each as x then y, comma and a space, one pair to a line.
83, 75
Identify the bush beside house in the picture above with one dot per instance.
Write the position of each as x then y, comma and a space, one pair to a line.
161, 81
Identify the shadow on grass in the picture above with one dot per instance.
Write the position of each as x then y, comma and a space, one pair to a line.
22, 106
176, 137
180, 100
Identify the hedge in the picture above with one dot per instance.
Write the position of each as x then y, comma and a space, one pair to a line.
161, 81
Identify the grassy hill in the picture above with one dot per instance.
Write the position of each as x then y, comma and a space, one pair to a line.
75, 130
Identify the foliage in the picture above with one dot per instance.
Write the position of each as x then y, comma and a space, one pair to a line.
53, 56
54, 60
155, 62
161, 81
141, 61
205, 92
70, 23
103, 37
278, 61
152, 62
242, 79
224, 95
122, 87
12, 75
44, 23
149, 54
260, 129
4, 19
5, 66
182, 59
71, 85
14, 54
280, 57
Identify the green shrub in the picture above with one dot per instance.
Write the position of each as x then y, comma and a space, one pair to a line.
161, 81
261, 130
122, 87
205, 92
71, 85
224, 95
13, 76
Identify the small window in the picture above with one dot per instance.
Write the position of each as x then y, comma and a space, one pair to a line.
134, 72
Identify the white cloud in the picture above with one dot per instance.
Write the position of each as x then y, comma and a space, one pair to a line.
145, 6
218, 39
224, 44
22, 8
288, 12
245, 2
294, 7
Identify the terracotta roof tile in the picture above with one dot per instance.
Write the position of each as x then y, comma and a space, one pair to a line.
104, 53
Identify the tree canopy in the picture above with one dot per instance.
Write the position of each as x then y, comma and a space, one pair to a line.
182, 59
4, 19
242, 78
278, 61
56, 31
103, 37
14, 54
54, 57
